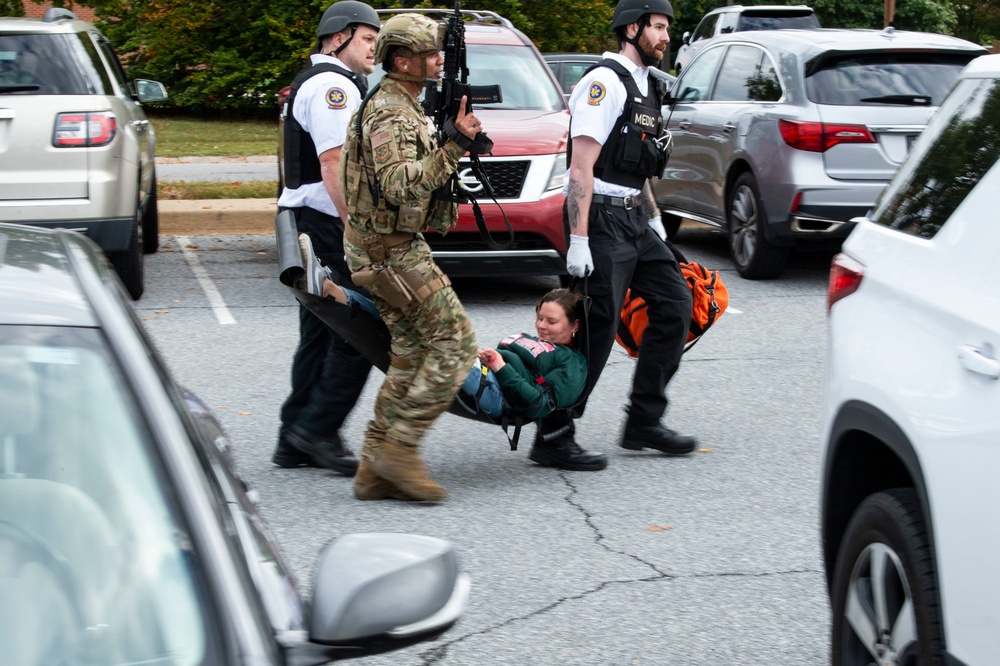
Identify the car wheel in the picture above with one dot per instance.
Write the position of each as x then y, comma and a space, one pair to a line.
672, 224
755, 257
151, 222
886, 608
128, 262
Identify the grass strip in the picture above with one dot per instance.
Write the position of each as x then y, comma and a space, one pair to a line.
263, 189
194, 137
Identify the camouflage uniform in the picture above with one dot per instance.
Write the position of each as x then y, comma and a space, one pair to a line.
433, 343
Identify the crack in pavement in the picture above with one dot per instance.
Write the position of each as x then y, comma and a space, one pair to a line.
438, 653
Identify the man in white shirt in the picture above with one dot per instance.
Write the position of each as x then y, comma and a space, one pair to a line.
328, 374
616, 234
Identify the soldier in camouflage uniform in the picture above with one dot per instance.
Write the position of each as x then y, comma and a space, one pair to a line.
390, 169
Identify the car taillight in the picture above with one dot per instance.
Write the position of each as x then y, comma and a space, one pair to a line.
845, 278
820, 137
75, 130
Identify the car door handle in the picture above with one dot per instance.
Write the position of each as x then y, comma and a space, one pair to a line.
684, 124
6, 114
728, 127
974, 360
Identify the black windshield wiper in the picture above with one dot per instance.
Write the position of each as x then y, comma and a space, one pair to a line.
912, 100
23, 87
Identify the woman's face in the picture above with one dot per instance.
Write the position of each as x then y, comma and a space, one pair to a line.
553, 325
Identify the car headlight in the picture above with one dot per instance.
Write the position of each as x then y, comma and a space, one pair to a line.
558, 175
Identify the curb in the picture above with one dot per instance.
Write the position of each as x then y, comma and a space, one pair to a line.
224, 217
215, 217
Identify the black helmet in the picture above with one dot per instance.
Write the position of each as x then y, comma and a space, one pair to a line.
630, 11
341, 14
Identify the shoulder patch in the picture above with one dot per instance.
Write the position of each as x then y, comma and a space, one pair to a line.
384, 146
597, 93
336, 98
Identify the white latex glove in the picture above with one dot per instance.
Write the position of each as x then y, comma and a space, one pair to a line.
656, 224
579, 263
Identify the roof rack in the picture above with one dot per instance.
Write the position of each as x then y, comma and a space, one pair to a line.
477, 15
53, 14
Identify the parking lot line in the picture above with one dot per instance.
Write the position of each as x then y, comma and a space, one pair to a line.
214, 297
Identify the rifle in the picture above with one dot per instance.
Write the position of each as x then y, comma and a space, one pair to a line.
442, 100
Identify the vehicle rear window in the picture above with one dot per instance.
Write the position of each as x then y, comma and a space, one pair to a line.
777, 21
884, 78
958, 147
49, 64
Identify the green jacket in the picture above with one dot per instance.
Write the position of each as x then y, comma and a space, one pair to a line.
563, 370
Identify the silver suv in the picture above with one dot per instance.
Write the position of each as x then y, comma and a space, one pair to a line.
781, 137
76, 149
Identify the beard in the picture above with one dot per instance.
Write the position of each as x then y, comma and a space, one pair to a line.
647, 51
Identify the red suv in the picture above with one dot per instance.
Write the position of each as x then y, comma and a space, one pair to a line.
530, 130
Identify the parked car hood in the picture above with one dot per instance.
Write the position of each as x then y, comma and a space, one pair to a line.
528, 132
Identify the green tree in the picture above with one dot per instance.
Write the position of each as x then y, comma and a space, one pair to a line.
923, 15
977, 20
11, 8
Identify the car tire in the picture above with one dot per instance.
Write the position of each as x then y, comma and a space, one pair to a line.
129, 262
151, 222
755, 257
885, 557
671, 224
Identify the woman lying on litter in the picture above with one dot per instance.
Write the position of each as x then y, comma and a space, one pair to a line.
525, 375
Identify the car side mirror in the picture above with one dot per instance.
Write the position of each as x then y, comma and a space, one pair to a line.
379, 592
150, 91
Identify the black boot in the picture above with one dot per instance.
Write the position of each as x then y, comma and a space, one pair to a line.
559, 449
287, 456
655, 436
330, 453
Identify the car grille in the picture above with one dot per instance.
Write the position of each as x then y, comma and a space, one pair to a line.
507, 178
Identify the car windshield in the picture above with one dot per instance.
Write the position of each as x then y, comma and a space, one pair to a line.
775, 21
958, 147
921, 79
522, 76
95, 567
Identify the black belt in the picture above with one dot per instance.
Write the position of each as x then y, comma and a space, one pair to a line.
628, 203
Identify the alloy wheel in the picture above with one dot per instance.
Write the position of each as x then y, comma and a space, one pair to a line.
743, 225
880, 612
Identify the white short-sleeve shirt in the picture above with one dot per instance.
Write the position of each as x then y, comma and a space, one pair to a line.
324, 105
596, 103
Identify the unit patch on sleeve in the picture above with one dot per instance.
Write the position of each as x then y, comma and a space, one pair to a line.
336, 99
597, 93
384, 146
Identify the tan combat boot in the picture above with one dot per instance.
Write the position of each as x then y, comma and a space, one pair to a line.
401, 466
370, 486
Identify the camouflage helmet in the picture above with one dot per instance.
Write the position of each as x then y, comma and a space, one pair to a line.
341, 14
413, 31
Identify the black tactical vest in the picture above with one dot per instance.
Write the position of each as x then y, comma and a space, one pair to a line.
631, 155
301, 162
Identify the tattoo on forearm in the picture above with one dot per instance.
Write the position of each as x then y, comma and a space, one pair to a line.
647, 204
574, 199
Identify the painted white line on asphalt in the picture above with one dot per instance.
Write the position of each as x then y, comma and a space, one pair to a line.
214, 297
734, 310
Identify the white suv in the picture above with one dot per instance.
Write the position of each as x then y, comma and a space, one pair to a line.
910, 503
76, 148
737, 18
